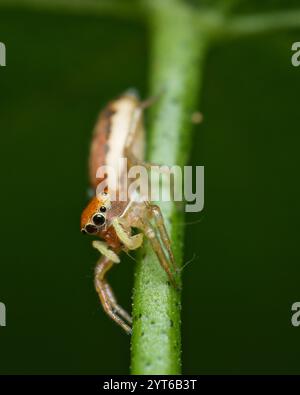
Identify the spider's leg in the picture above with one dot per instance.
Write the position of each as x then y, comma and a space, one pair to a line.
164, 261
130, 242
135, 132
136, 129
156, 214
114, 311
117, 308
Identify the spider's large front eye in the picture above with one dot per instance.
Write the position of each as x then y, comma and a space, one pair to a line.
91, 229
98, 219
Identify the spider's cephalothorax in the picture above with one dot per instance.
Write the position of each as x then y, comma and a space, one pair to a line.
93, 217
119, 133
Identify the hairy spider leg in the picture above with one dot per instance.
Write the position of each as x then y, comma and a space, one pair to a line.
156, 214
107, 298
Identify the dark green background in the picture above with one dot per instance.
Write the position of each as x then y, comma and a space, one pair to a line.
239, 289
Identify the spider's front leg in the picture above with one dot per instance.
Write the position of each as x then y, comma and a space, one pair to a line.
140, 217
107, 298
155, 213
156, 244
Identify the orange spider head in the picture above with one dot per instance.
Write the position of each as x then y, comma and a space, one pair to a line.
93, 218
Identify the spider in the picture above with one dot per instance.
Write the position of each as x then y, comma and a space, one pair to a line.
119, 133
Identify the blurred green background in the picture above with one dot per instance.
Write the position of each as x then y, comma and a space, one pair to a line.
238, 291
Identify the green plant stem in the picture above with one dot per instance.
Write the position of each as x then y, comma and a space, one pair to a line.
179, 36
238, 26
178, 50
115, 8
213, 19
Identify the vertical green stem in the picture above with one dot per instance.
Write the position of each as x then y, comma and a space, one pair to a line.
178, 49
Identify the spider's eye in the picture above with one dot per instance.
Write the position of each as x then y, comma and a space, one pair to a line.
98, 219
102, 209
83, 231
91, 229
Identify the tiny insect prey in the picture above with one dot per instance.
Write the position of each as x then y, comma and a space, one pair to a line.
122, 225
